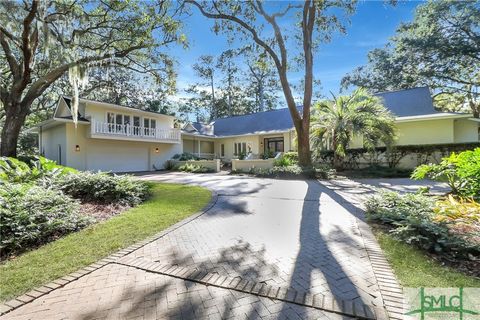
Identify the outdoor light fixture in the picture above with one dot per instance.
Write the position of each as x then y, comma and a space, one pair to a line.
77, 148
157, 150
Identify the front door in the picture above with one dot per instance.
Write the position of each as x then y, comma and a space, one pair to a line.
273, 145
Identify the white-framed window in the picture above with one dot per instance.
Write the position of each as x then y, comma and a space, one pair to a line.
222, 150
149, 126
239, 147
118, 122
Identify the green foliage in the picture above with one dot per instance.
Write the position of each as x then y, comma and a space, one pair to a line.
461, 171
294, 172
14, 170
452, 209
169, 204
194, 168
438, 49
376, 171
287, 159
169, 165
411, 218
185, 156
336, 122
31, 216
103, 188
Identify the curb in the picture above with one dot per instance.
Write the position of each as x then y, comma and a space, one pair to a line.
38, 292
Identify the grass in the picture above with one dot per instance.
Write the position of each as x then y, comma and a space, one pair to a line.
169, 204
414, 268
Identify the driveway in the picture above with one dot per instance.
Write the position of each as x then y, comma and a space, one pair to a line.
267, 249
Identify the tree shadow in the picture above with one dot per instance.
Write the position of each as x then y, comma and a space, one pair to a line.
316, 255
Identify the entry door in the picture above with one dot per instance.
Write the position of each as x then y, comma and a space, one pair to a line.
274, 145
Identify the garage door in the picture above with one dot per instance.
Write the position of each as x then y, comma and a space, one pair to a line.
121, 158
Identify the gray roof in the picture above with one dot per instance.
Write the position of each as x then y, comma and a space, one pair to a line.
409, 102
402, 103
267, 121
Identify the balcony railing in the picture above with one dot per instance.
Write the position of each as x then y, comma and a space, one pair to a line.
129, 131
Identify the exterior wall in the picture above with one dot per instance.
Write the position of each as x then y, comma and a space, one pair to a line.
466, 130
50, 141
253, 142
246, 165
106, 155
425, 132
422, 132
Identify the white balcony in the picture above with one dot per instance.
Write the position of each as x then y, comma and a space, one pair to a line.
104, 130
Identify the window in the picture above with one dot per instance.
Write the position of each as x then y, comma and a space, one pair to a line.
117, 122
273, 145
149, 126
222, 150
240, 147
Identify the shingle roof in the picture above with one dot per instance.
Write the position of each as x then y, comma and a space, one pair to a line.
267, 121
402, 103
409, 102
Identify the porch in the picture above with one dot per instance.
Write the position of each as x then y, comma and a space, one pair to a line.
204, 149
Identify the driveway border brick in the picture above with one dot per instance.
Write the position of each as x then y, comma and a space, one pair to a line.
35, 293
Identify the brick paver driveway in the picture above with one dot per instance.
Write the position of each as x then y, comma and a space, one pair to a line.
304, 236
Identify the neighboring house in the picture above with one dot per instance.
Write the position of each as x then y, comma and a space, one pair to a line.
417, 121
116, 138
108, 137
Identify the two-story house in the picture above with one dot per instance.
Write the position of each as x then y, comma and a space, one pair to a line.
108, 137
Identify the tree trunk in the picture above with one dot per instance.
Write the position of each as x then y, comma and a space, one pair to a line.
14, 119
303, 139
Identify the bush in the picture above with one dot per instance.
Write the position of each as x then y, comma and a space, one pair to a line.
291, 157
412, 218
103, 187
461, 172
194, 168
14, 170
31, 216
185, 156
169, 165
292, 172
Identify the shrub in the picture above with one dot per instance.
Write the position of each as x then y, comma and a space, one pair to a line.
461, 172
103, 187
411, 218
169, 165
31, 216
451, 209
194, 168
294, 171
14, 170
292, 157
185, 156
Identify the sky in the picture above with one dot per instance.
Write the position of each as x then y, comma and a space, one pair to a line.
373, 23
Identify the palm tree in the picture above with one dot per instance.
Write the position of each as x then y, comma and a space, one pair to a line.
335, 122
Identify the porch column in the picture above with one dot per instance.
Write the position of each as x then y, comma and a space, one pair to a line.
199, 148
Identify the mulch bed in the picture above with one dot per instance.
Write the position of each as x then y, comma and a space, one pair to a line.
102, 212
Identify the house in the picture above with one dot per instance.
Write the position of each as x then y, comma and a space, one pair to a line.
108, 137
417, 121
117, 138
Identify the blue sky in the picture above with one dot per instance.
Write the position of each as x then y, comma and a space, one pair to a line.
371, 26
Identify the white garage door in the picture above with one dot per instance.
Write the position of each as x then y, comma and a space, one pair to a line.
122, 158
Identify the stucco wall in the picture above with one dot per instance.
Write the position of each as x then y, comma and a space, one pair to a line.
466, 130
425, 132
106, 155
245, 165
51, 139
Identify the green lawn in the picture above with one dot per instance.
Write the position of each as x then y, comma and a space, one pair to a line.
169, 204
414, 269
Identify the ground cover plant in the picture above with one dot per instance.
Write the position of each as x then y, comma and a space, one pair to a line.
42, 201
194, 168
168, 204
447, 227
